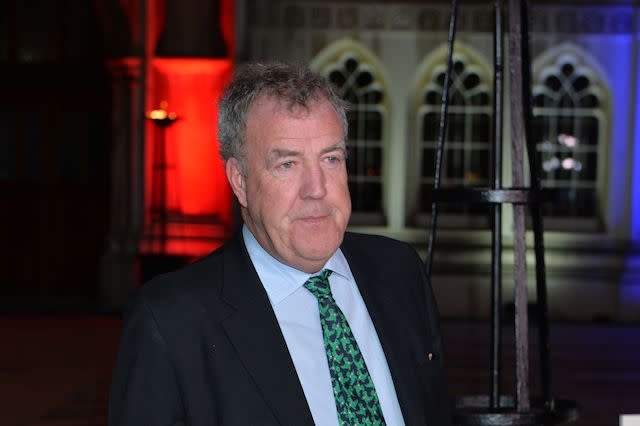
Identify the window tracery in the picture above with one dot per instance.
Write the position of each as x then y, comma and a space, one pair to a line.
466, 159
568, 129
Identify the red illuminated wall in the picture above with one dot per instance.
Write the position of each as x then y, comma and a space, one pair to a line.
198, 198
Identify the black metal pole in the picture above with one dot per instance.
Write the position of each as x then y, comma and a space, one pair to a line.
496, 230
441, 137
536, 215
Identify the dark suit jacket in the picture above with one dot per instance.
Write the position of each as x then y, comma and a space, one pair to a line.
202, 346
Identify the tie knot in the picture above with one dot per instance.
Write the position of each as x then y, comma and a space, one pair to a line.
319, 285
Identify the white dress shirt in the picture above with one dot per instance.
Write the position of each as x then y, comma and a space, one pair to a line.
296, 310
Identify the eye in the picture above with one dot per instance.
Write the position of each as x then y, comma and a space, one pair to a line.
333, 160
286, 165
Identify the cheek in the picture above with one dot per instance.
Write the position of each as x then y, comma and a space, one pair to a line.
276, 199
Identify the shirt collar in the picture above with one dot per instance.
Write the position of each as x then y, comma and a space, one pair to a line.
280, 280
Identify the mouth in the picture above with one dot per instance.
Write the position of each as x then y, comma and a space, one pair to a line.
313, 220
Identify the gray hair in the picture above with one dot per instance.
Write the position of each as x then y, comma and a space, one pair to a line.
293, 84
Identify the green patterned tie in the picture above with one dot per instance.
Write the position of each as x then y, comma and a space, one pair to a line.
356, 397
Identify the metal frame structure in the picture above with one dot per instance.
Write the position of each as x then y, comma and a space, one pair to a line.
497, 408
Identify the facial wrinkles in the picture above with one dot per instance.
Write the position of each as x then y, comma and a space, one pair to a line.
285, 204
300, 208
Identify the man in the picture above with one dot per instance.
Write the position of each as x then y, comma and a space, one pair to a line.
293, 321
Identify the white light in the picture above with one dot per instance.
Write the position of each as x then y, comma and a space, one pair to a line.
568, 140
571, 164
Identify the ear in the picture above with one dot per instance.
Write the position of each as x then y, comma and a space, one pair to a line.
237, 180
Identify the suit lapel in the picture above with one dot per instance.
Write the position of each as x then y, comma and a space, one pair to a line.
384, 315
255, 334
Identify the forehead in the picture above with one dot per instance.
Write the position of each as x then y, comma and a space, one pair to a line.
273, 105
272, 125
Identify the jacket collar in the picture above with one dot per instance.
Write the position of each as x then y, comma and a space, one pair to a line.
255, 334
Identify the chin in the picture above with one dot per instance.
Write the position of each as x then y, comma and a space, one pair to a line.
317, 247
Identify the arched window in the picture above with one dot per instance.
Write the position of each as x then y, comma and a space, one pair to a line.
569, 129
354, 73
466, 160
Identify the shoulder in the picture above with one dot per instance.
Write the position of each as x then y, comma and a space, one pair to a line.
172, 285
183, 290
207, 271
380, 252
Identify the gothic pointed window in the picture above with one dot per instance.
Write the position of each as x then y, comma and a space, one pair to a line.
467, 152
568, 128
359, 83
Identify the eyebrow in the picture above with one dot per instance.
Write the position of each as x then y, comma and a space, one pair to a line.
283, 152
341, 146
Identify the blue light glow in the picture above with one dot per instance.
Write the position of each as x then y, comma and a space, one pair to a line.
635, 168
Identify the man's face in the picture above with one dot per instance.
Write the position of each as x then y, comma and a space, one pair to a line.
294, 197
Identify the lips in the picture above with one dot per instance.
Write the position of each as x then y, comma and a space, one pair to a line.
314, 219
318, 213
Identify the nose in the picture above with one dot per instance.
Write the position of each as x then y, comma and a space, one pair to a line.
313, 183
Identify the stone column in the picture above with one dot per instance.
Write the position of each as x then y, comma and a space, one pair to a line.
118, 275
